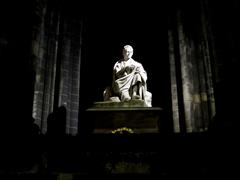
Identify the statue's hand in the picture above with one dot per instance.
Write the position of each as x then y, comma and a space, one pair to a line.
128, 70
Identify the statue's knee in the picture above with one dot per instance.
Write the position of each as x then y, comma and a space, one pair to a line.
138, 78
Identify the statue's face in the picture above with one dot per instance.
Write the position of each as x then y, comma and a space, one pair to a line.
127, 53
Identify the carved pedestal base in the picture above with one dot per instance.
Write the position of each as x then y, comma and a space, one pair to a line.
128, 117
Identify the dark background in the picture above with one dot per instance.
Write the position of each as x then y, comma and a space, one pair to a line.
108, 29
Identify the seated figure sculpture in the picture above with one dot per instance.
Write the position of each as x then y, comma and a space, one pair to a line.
129, 80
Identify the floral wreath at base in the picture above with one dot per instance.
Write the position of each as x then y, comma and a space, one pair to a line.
122, 130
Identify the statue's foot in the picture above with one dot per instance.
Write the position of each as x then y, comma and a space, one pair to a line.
136, 97
125, 96
127, 99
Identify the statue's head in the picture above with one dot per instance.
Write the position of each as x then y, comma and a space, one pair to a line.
127, 52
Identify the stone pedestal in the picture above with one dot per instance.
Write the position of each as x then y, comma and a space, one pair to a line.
124, 117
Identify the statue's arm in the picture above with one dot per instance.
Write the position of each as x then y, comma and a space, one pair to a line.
142, 72
119, 72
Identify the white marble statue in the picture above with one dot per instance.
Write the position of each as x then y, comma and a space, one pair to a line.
129, 80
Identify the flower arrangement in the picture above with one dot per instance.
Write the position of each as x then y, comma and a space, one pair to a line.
122, 130
127, 167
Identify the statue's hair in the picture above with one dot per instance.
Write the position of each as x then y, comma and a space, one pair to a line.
128, 47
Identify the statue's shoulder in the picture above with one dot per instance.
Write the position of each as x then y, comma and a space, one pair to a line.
136, 63
117, 63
